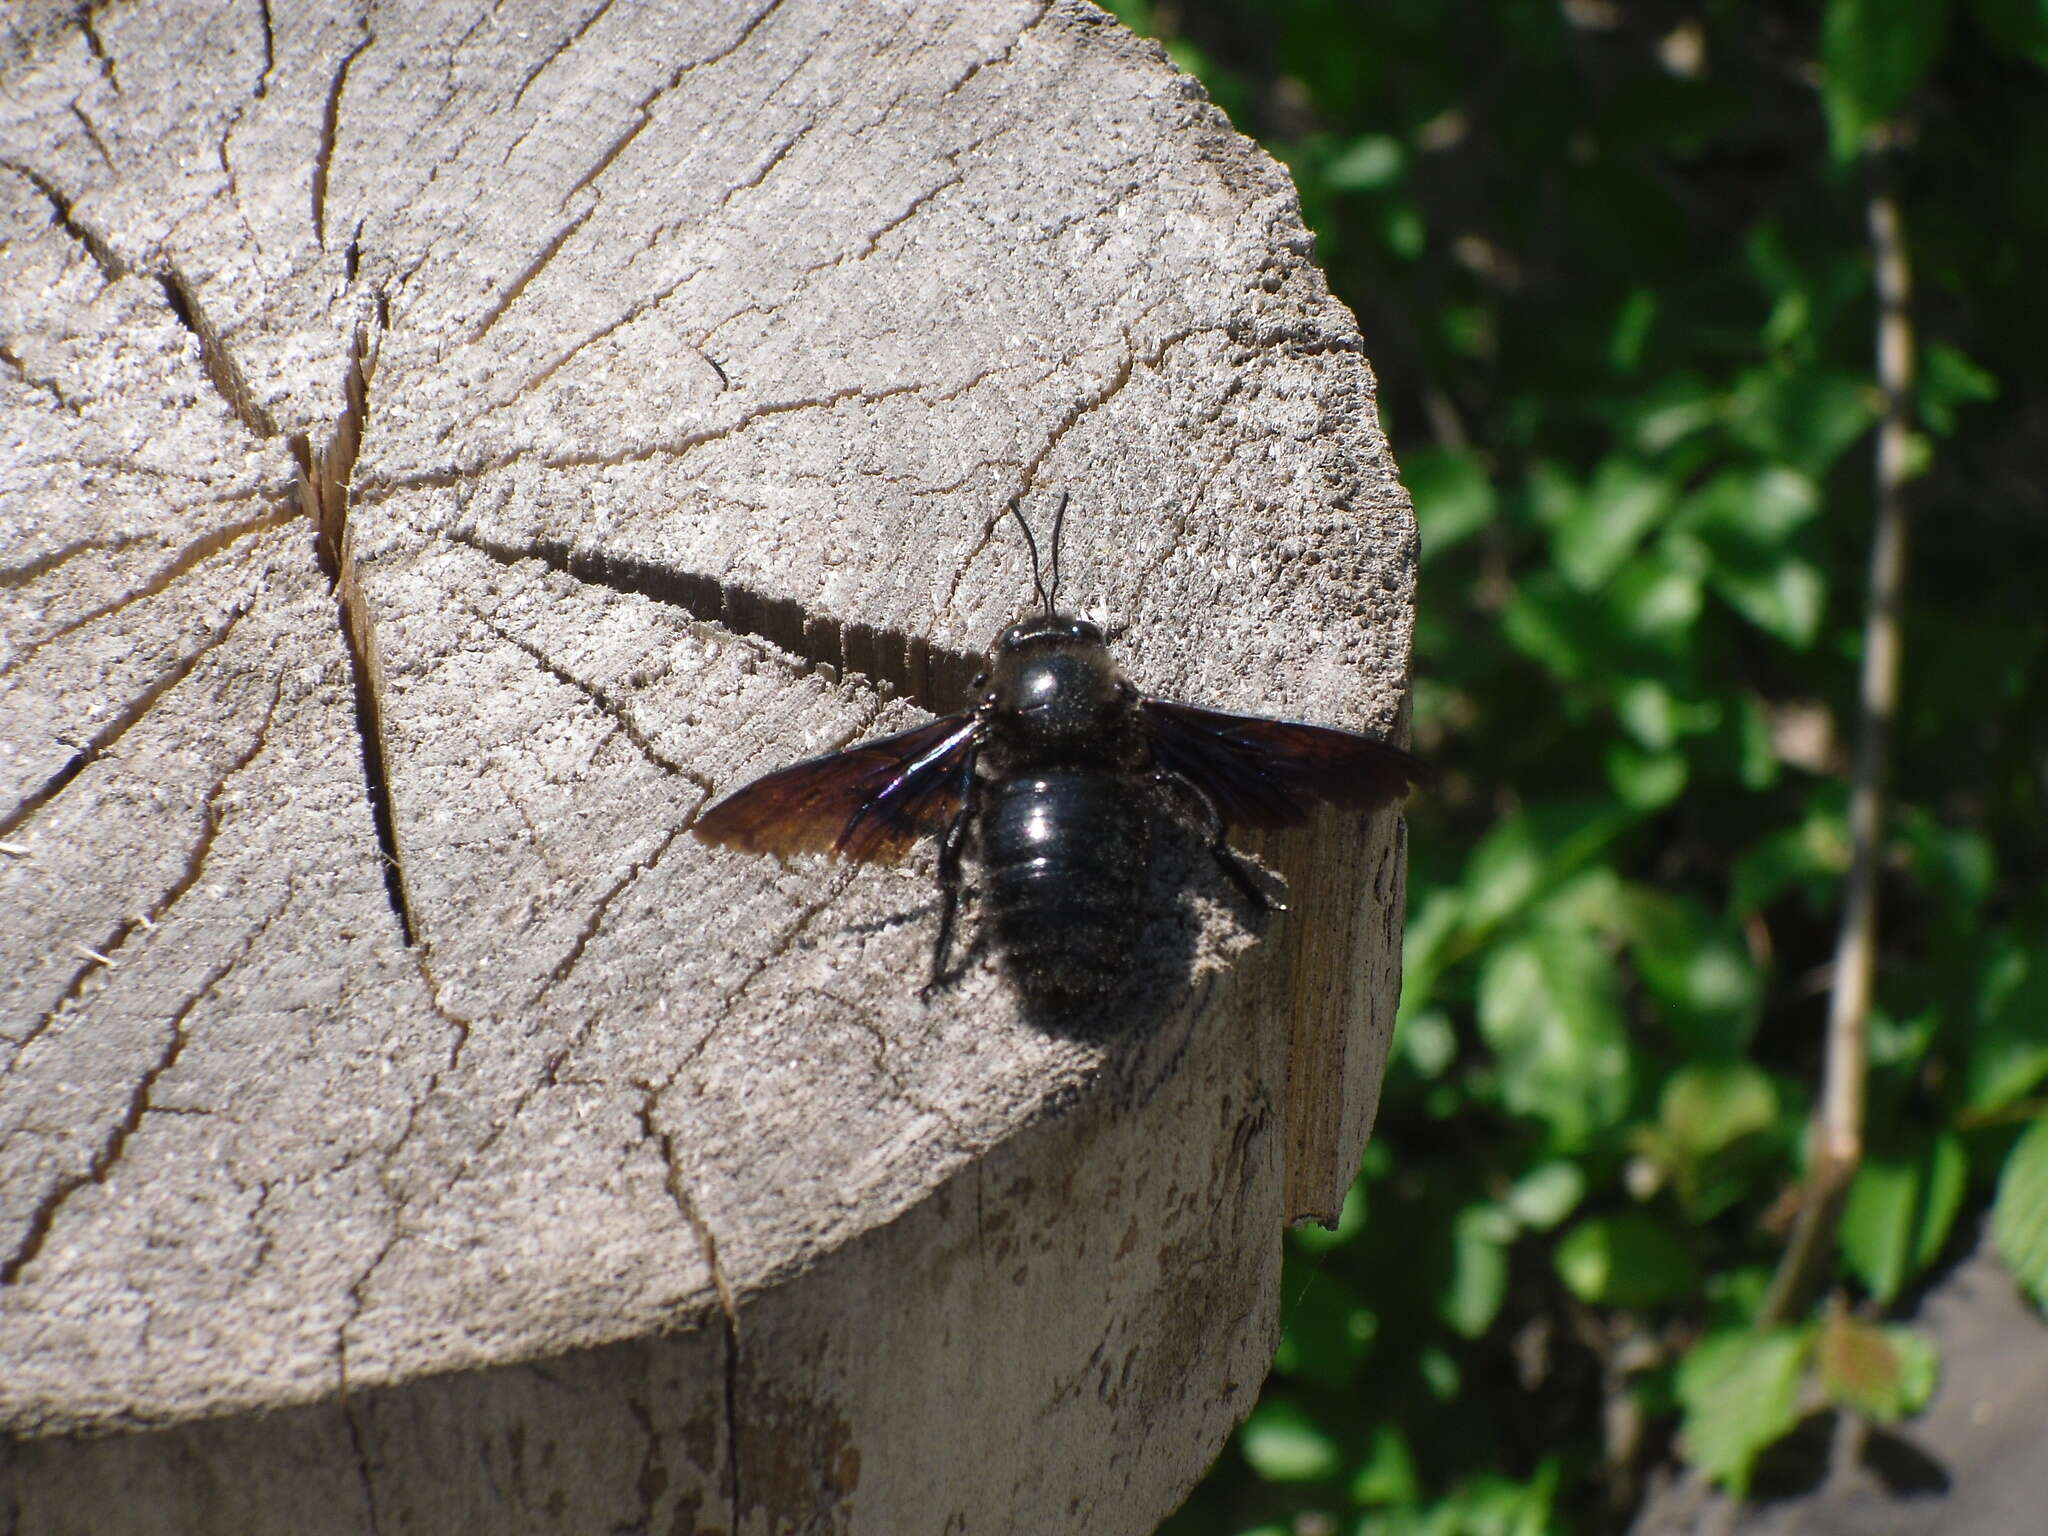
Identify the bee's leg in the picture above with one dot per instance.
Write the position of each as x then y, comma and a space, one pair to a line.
950, 845
1211, 824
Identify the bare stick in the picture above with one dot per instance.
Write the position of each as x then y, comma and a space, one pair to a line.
1838, 1119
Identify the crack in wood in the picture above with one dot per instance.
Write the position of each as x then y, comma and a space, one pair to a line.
44, 1218
330, 130
1086, 406
95, 46
560, 51
534, 268
612, 708
326, 489
48, 386
269, 49
183, 563
595, 921
728, 1303
103, 955
644, 108
935, 678
92, 134
116, 728
776, 156
222, 371
62, 214
38, 566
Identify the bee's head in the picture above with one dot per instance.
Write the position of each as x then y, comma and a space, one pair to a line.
1051, 674
1048, 630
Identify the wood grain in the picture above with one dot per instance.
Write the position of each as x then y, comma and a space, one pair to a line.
445, 445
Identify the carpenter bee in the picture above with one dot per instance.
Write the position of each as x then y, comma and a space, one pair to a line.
1057, 776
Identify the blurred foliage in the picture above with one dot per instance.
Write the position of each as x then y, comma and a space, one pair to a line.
1613, 272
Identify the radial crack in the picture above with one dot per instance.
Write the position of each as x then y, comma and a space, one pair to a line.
114, 729
95, 245
936, 678
38, 566
44, 1218
330, 129
603, 904
221, 369
612, 708
193, 555
94, 46
560, 51
325, 483
643, 110
102, 955
728, 1304
534, 268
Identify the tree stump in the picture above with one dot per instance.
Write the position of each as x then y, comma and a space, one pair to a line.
447, 445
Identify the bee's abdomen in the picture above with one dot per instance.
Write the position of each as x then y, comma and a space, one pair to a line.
1063, 855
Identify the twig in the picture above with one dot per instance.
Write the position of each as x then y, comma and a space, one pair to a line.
1838, 1118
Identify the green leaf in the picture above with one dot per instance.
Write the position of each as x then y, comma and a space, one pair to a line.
1739, 1392
1757, 758
1546, 1194
1784, 598
1742, 520
1427, 1041
1526, 855
1899, 1213
1957, 864
1949, 381
2019, 28
1550, 1009
1387, 1475
1709, 1106
1802, 417
1324, 1343
1632, 330
1874, 54
1669, 412
1645, 781
1489, 1504
2019, 1215
1697, 968
1453, 498
1815, 854
2009, 1045
1405, 231
1285, 1445
1656, 602
1627, 1260
1479, 1270
1888, 1373
1372, 161
1751, 509
1624, 501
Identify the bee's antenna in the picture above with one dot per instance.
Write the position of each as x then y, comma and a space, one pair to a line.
1037, 583
1059, 521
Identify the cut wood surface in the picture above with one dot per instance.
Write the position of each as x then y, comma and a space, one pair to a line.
442, 447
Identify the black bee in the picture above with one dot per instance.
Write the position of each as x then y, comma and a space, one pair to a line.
1062, 768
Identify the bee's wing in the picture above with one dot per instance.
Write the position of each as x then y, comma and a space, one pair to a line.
870, 802
1273, 773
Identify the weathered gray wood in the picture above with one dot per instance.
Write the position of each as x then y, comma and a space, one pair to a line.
445, 446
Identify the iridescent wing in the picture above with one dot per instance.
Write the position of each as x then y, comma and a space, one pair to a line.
869, 803
1273, 773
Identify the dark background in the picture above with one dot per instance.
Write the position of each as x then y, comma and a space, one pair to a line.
1613, 267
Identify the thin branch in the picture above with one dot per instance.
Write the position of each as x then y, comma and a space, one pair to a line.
1839, 1117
